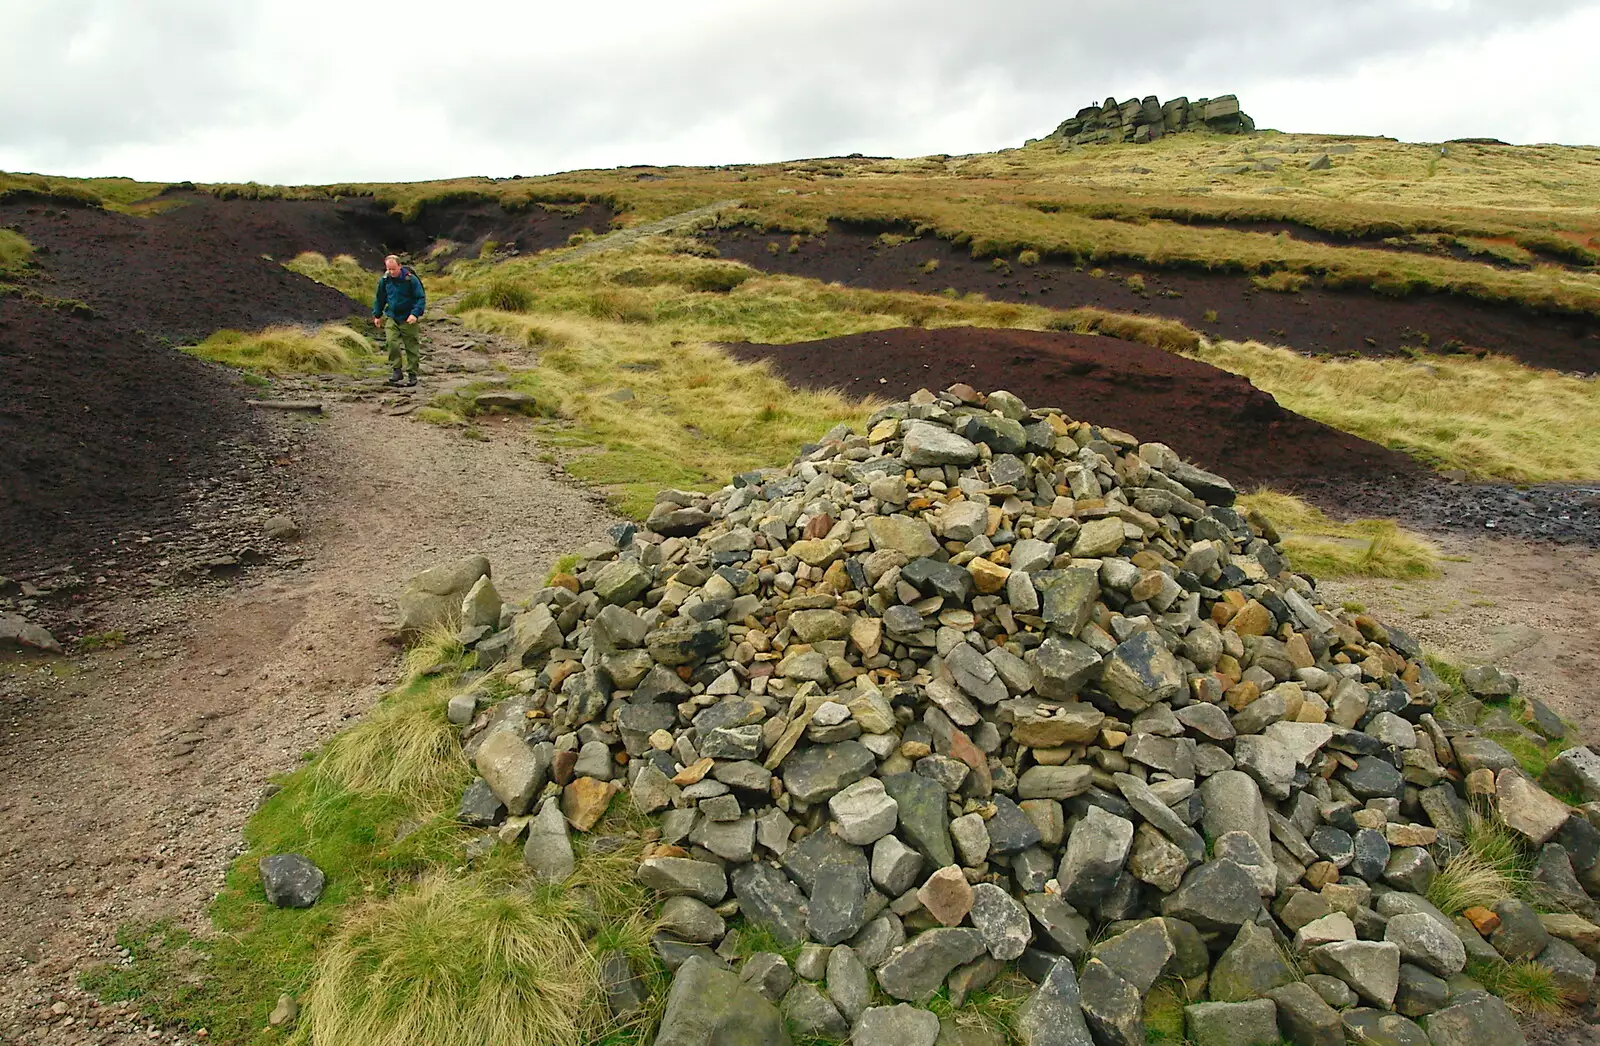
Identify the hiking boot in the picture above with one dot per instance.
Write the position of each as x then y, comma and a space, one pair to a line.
411, 379
397, 378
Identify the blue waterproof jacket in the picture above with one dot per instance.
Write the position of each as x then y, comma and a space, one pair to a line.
399, 296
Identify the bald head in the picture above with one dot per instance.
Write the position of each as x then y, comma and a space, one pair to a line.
391, 265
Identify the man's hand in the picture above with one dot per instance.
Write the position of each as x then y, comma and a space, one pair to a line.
377, 321
411, 319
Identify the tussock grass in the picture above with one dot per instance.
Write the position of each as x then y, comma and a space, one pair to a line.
1492, 417
403, 748
15, 252
1281, 282
287, 350
1324, 547
501, 294
1169, 335
1493, 865
1525, 986
341, 272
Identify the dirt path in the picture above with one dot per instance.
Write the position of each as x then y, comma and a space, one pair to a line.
1529, 608
127, 774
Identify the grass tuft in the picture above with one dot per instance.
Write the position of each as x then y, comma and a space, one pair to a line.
502, 294
1526, 987
15, 252
1491, 867
343, 273
287, 350
466, 959
1323, 547
1281, 282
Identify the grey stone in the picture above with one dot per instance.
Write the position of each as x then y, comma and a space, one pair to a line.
708, 1006
673, 876
935, 445
1001, 920
1172, 755
878, 940
733, 841
1474, 1019
1218, 895
924, 817
1156, 860
515, 770
810, 1014
1364, 1026
1065, 929
1305, 1018
1250, 967
971, 839
817, 772
1141, 671
767, 897
1373, 778
1427, 942
1253, 1023
1065, 666
1095, 852
1370, 854
434, 596
548, 851
848, 984
898, 1025
838, 896
896, 867
1053, 1014
1577, 771
1419, 992
863, 812
291, 881
1112, 1006
1527, 808
1476, 752
1011, 830
1372, 968
918, 970
1333, 991
480, 807
1054, 782
626, 991
1521, 934
768, 974
1572, 971
1232, 801
1067, 597
621, 581
1138, 955
1410, 868
692, 920
1270, 763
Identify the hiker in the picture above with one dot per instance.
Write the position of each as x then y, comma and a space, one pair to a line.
400, 300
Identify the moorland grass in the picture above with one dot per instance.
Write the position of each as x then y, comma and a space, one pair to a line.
1324, 547
15, 252
1494, 418
334, 349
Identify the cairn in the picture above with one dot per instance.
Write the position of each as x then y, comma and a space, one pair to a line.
1145, 119
990, 688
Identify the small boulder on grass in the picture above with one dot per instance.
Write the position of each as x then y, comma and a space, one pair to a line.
291, 881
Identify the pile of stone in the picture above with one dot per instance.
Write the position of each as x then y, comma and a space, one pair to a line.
988, 688
1145, 119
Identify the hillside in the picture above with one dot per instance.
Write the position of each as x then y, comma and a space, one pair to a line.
685, 410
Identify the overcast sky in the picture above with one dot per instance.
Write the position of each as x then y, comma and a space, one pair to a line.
300, 91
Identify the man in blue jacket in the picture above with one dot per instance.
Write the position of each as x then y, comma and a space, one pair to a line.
400, 300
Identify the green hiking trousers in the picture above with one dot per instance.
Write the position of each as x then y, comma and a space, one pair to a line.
403, 339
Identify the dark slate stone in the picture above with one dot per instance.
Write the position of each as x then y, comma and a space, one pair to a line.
1218, 895
1373, 778
767, 897
924, 816
1003, 435
1010, 830
931, 577
840, 883
1381, 1028
1420, 992
1371, 855
1333, 844
1354, 742
480, 807
1053, 1014
661, 684
816, 773
291, 881
724, 714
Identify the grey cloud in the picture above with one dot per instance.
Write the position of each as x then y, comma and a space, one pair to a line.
81, 79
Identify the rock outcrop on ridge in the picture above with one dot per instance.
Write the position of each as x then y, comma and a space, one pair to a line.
1145, 119
986, 688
